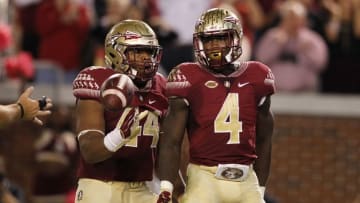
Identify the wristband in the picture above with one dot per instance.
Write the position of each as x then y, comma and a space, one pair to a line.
166, 185
113, 140
22, 112
262, 191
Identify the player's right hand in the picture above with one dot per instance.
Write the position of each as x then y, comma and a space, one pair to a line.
132, 116
127, 127
129, 120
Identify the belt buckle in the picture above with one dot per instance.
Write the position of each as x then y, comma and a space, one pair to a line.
232, 172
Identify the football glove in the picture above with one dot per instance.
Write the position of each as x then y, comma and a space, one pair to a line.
166, 188
127, 128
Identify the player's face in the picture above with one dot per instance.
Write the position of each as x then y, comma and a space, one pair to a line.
216, 48
139, 54
141, 59
214, 42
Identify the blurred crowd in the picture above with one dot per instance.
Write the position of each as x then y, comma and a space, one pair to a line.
311, 45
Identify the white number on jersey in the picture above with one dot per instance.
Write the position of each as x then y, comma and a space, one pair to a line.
150, 128
227, 120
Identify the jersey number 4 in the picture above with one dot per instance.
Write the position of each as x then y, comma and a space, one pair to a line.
227, 120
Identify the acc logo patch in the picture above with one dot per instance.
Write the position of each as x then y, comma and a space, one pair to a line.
211, 84
79, 195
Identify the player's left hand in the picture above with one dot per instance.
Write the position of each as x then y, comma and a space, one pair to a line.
164, 197
166, 189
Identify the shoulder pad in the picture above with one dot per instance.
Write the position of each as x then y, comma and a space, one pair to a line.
160, 78
88, 82
263, 71
262, 78
177, 75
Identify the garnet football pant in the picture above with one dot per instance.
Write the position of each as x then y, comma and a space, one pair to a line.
203, 186
95, 191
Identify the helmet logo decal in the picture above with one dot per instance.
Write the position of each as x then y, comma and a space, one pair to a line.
231, 19
130, 35
127, 36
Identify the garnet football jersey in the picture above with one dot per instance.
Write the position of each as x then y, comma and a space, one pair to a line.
134, 161
222, 110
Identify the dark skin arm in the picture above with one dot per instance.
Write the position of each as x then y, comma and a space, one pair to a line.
171, 139
90, 116
264, 131
179, 186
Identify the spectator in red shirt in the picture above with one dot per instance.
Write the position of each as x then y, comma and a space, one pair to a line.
63, 27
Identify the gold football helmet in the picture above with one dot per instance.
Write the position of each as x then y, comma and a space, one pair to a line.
124, 41
221, 24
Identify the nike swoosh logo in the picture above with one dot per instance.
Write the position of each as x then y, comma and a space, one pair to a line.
152, 101
243, 84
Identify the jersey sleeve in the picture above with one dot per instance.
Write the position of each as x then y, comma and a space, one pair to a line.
264, 80
177, 84
88, 82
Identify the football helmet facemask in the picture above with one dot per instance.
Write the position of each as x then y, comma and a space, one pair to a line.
124, 44
217, 24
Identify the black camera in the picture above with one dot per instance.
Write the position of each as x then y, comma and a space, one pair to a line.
42, 102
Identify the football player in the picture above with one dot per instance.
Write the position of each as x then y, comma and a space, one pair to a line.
224, 106
117, 147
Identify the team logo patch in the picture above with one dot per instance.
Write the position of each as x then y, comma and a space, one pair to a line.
211, 84
79, 195
232, 173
